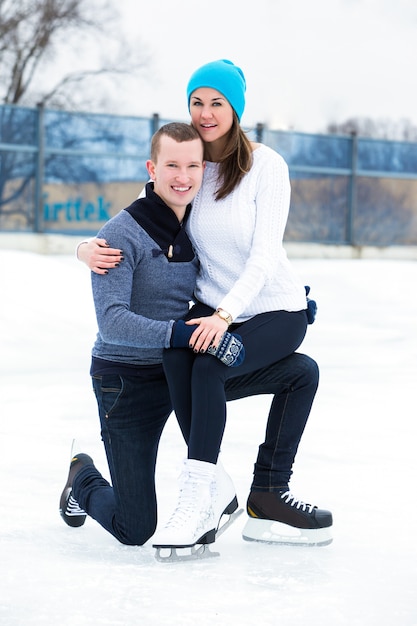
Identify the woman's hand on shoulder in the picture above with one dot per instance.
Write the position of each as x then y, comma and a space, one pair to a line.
209, 332
97, 254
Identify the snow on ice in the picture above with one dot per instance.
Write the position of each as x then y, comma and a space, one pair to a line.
357, 458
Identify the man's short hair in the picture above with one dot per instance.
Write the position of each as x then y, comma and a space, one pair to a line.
179, 131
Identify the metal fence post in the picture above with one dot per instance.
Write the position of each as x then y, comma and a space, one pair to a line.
352, 193
259, 131
38, 222
154, 123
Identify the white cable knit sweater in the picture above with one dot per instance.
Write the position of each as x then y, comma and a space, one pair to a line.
239, 241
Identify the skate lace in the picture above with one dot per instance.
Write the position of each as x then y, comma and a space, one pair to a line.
73, 508
188, 504
290, 499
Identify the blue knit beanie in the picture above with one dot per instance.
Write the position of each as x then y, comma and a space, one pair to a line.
223, 76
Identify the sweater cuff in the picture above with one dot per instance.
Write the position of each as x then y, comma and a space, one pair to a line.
227, 305
168, 335
80, 244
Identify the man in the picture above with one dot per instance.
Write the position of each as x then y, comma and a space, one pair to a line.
136, 313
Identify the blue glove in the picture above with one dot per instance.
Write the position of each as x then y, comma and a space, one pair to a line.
181, 334
311, 307
230, 350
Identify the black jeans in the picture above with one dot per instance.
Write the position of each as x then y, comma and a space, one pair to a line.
197, 382
133, 412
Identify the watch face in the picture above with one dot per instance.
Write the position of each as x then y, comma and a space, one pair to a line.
224, 315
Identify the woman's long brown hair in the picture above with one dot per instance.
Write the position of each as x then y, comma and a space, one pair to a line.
236, 160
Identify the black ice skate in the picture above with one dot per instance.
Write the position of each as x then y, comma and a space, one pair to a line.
69, 508
278, 517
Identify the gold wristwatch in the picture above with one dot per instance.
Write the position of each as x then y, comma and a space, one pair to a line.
225, 316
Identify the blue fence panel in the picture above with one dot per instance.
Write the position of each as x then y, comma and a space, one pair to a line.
71, 169
95, 148
318, 151
386, 211
18, 162
97, 133
68, 172
17, 190
319, 209
391, 157
18, 126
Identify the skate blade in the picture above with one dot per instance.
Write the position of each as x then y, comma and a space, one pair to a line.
170, 554
232, 518
194, 553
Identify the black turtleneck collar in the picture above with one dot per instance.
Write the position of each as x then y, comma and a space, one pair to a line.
162, 225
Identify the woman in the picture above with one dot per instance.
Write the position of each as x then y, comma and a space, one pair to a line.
245, 283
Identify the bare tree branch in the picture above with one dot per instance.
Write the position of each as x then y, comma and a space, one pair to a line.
398, 130
32, 32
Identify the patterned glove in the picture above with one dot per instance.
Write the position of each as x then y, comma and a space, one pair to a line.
230, 350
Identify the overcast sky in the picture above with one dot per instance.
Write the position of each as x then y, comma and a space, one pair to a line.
306, 63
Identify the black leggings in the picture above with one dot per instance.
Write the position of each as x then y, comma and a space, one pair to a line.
197, 381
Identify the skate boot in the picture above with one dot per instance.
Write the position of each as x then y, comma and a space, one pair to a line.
223, 494
193, 520
69, 508
278, 517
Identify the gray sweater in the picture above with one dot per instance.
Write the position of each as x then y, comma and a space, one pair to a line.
136, 304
